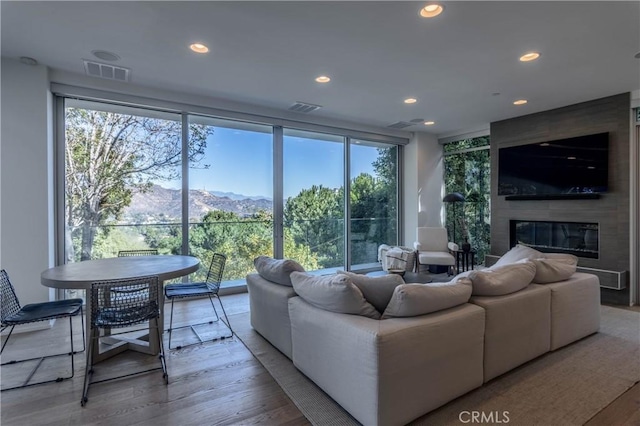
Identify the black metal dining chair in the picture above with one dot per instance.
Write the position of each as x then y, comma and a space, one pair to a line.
209, 288
13, 314
127, 309
134, 253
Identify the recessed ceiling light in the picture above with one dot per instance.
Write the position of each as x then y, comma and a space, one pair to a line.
590, 167
431, 10
531, 56
323, 79
544, 144
429, 123
520, 102
410, 101
571, 158
199, 48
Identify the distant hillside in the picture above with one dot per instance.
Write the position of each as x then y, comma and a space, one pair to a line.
160, 201
235, 196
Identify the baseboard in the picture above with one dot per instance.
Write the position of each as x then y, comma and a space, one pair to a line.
34, 326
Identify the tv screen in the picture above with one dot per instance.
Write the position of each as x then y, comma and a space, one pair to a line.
568, 166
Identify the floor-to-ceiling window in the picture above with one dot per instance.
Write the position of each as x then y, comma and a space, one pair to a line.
136, 178
114, 159
467, 170
230, 194
373, 199
313, 190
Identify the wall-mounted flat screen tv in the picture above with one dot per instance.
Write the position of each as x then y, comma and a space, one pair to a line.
567, 166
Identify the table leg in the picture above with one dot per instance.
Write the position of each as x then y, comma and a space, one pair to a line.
154, 344
112, 345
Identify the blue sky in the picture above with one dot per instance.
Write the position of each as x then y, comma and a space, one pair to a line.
241, 162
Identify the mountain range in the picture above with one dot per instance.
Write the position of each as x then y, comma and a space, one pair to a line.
159, 201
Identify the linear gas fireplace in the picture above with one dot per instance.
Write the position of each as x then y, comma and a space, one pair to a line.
580, 239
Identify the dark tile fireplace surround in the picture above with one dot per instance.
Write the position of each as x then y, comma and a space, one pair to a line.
601, 239
577, 238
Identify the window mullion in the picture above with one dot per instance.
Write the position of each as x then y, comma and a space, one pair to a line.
278, 193
185, 184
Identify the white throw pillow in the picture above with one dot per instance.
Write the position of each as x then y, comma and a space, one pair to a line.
377, 290
519, 252
335, 293
410, 300
504, 279
276, 270
554, 267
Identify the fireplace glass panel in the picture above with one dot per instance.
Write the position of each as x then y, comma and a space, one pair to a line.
579, 239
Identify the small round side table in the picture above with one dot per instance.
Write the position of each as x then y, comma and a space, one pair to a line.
465, 260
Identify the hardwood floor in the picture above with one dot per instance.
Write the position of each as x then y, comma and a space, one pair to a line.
216, 383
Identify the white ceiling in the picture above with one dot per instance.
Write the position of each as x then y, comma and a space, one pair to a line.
377, 53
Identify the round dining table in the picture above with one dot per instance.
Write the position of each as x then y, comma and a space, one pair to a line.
81, 275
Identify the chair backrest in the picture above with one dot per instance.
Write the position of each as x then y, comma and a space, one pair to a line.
9, 304
121, 303
216, 269
432, 238
146, 252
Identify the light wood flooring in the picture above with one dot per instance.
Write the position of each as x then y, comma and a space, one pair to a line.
215, 383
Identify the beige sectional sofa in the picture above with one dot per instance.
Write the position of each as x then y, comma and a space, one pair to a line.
391, 371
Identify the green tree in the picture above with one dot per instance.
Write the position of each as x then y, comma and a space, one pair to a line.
467, 171
315, 219
109, 155
374, 208
240, 239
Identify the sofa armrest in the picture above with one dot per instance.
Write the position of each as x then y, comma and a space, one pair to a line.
270, 311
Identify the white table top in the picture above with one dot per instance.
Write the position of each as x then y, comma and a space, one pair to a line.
80, 275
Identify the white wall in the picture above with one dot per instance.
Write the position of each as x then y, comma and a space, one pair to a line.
423, 183
26, 222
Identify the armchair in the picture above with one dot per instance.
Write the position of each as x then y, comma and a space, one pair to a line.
432, 248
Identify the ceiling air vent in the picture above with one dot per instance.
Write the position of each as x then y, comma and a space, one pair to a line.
303, 107
400, 125
110, 72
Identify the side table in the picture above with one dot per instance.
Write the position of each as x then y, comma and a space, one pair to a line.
465, 260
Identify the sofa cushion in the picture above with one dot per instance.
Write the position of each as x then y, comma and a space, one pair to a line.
276, 270
377, 290
519, 252
410, 300
504, 279
335, 293
551, 269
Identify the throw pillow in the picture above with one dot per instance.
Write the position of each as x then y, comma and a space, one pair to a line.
504, 279
554, 267
410, 300
377, 290
519, 252
335, 293
276, 270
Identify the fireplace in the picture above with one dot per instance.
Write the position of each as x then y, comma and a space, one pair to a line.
577, 238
